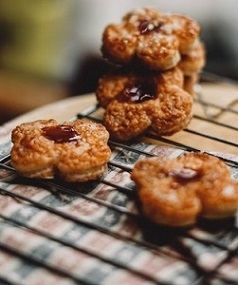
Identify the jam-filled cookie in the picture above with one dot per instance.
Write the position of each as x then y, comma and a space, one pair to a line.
135, 102
175, 192
75, 151
146, 36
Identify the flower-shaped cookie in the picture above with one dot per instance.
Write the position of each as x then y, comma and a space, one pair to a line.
176, 192
74, 151
135, 102
153, 39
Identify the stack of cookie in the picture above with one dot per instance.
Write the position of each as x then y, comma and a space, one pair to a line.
157, 58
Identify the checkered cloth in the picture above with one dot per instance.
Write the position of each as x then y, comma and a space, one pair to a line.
92, 233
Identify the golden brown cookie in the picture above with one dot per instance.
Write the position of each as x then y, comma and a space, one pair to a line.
190, 82
135, 102
175, 192
75, 151
194, 61
186, 29
151, 38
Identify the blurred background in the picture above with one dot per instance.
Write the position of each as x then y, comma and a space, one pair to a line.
50, 49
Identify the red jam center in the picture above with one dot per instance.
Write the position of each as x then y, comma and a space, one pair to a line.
147, 26
61, 133
142, 91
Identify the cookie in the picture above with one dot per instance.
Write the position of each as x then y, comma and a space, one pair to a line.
74, 151
190, 82
154, 40
194, 61
176, 192
136, 102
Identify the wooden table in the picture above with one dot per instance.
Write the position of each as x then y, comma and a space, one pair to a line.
61, 110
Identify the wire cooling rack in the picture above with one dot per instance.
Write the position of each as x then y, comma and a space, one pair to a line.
93, 233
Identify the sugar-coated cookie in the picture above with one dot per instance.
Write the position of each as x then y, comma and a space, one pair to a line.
153, 39
75, 151
135, 102
193, 62
175, 192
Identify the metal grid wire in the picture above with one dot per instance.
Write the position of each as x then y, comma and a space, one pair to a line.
191, 246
